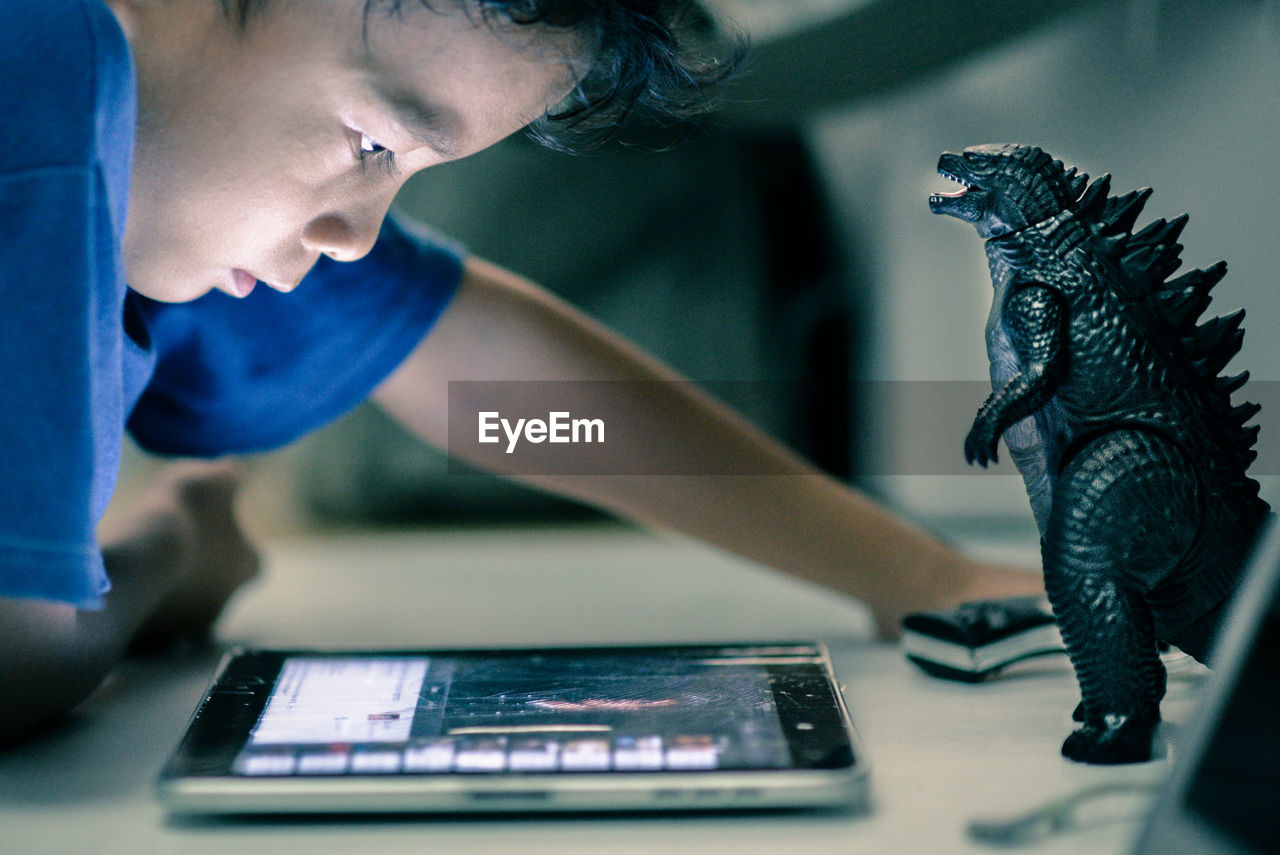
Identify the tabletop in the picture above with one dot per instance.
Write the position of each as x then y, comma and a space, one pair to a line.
942, 754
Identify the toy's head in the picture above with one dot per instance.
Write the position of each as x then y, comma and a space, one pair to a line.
1005, 187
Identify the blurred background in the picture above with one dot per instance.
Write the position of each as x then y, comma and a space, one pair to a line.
786, 252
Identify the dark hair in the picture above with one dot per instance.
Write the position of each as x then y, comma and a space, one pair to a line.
662, 61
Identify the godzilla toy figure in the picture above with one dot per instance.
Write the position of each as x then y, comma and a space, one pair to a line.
1109, 399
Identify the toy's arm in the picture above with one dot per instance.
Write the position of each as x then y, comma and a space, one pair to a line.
1035, 318
796, 519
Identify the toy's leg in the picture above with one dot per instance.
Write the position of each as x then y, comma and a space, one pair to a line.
1189, 608
1125, 511
1115, 661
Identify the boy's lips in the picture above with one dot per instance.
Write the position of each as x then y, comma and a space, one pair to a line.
243, 282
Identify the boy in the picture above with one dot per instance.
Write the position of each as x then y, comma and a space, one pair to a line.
212, 153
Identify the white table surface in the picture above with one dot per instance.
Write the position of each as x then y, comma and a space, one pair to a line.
941, 753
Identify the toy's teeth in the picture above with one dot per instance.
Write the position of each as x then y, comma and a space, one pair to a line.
964, 188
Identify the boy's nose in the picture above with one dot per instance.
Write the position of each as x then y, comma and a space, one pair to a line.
340, 237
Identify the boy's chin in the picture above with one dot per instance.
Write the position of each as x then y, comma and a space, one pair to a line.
178, 291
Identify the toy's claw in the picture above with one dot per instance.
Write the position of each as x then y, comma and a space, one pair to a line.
980, 447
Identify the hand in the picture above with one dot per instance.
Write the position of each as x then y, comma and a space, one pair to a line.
951, 580
980, 445
215, 559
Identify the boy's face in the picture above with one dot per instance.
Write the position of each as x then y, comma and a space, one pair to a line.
260, 150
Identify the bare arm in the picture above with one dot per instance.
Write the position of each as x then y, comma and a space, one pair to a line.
500, 327
173, 562
55, 654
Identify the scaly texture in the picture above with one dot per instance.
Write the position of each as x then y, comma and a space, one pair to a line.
1109, 399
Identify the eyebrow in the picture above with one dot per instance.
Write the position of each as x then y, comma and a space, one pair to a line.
425, 122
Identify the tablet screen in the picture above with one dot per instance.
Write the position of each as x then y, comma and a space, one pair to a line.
531, 712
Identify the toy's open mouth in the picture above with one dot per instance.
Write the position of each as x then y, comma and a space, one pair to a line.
955, 194
965, 202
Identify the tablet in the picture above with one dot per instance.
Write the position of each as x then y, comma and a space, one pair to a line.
740, 726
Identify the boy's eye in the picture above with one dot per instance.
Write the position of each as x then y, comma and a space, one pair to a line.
372, 151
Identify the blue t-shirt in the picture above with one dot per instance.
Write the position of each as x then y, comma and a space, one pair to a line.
81, 355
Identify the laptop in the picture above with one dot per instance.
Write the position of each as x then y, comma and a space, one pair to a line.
1223, 793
